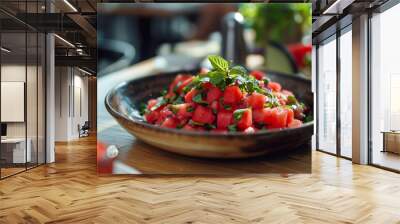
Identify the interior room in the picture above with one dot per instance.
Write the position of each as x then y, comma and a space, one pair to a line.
47, 89
49, 74
336, 84
22, 99
385, 86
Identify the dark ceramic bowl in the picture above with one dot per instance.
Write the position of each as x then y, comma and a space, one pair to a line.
123, 103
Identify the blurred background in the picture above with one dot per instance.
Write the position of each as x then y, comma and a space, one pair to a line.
274, 36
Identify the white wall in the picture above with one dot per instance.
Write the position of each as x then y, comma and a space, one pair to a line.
70, 83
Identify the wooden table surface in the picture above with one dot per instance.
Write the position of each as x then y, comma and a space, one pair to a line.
136, 157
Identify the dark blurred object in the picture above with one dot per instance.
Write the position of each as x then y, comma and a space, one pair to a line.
84, 130
114, 55
210, 18
233, 45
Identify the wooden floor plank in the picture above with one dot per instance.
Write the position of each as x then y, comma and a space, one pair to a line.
70, 191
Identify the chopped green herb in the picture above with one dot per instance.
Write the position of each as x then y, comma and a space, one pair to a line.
291, 100
217, 78
227, 107
174, 108
199, 99
209, 126
238, 70
308, 118
164, 92
266, 81
143, 109
194, 123
232, 128
190, 109
237, 114
178, 100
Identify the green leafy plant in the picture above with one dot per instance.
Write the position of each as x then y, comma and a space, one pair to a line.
280, 22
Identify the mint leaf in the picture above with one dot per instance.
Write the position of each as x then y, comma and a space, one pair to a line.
143, 109
209, 126
266, 81
197, 98
219, 63
291, 100
217, 78
232, 128
238, 70
308, 118
164, 92
237, 114
190, 109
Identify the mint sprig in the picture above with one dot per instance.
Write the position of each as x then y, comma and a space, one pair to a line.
219, 63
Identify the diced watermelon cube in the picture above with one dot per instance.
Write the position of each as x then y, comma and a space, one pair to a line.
203, 115
257, 74
214, 93
170, 122
189, 96
274, 86
232, 95
245, 119
256, 100
295, 123
224, 119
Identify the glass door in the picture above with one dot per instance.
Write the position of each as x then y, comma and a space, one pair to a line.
345, 92
326, 129
22, 92
14, 153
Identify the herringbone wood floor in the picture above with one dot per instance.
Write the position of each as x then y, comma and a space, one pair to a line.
70, 191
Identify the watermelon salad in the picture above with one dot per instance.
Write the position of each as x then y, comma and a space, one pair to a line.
225, 99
